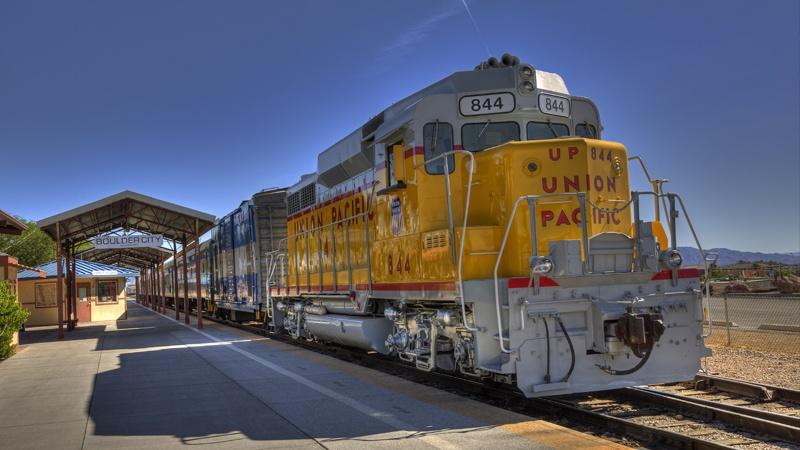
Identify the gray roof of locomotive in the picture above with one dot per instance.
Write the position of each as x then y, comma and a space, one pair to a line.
347, 157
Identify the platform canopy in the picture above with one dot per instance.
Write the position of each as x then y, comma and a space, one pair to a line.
128, 211
132, 228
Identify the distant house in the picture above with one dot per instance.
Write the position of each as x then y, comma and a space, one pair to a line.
100, 292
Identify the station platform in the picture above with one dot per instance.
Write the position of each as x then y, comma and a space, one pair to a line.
149, 381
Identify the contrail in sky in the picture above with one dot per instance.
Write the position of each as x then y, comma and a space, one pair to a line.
475, 24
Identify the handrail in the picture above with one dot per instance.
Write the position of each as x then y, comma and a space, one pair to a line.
464, 223
656, 184
346, 221
581, 196
706, 294
273, 259
672, 197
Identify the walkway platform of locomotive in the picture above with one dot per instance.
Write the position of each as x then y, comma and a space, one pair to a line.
149, 381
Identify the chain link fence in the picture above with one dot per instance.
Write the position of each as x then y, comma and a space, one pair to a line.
763, 322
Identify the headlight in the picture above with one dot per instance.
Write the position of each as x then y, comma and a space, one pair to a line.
671, 258
527, 86
541, 264
526, 71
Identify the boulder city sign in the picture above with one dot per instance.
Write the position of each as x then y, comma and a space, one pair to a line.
128, 241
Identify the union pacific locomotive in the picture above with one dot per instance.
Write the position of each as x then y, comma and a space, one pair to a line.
478, 226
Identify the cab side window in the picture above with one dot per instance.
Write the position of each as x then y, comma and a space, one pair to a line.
586, 130
438, 139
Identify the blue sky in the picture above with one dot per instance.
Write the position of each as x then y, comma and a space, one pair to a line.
205, 102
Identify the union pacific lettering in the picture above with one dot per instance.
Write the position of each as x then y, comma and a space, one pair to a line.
565, 217
597, 183
350, 205
579, 183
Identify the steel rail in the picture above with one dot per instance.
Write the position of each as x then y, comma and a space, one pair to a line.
623, 427
785, 419
740, 419
746, 388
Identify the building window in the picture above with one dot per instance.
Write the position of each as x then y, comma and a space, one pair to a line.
478, 136
106, 292
45, 295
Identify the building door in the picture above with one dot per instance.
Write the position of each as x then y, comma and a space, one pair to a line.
84, 308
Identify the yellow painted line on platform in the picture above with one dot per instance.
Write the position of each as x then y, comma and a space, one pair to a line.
556, 436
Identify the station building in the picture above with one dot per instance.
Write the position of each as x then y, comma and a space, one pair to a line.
9, 265
99, 288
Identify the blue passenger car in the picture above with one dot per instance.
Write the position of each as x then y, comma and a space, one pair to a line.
236, 264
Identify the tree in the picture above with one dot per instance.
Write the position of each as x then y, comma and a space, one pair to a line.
12, 316
32, 247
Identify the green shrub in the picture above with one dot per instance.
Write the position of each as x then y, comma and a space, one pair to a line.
12, 316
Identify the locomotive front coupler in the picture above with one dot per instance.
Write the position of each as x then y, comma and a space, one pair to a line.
639, 331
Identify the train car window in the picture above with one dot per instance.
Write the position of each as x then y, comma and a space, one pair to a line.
586, 130
546, 130
478, 136
438, 139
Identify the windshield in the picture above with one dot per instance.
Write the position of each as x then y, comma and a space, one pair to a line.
478, 136
546, 130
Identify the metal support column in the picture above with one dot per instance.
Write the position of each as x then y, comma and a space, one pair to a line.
185, 283
136, 284
727, 318
74, 289
68, 286
175, 280
162, 276
59, 282
153, 290
197, 273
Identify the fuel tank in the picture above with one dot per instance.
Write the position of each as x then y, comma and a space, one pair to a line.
368, 333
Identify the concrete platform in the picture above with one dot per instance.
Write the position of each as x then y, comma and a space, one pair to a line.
149, 381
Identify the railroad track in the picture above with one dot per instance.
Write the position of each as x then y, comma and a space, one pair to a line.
652, 417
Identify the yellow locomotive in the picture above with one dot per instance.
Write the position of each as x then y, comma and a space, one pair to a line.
481, 225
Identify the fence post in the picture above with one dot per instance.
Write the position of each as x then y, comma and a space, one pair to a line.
727, 319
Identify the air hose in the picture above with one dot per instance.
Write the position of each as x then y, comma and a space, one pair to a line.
633, 369
547, 339
571, 349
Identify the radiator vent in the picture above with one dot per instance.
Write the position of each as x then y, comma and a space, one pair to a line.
435, 239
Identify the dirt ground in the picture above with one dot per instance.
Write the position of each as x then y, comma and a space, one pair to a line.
756, 340
778, 368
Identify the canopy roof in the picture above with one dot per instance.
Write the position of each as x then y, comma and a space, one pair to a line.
129, 211
83, 269
127, 257
10, 225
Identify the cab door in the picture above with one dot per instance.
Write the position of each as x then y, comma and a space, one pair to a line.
395, 255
